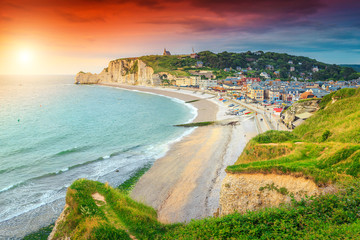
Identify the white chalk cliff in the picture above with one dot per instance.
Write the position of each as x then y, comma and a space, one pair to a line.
124, 71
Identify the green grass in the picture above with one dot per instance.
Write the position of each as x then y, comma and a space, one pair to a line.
119, 215
325, 163
341, 119
335, 215
326, 148
41, 234
274, 136
128, 185
196, 124
169, 64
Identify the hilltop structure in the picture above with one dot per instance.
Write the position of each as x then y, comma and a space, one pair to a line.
166, 53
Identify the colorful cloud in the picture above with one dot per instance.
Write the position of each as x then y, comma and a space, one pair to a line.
67, 36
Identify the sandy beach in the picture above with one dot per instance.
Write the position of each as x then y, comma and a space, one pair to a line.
185, 183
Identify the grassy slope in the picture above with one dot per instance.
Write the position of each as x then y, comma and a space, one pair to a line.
164, 64
332, 159
325, 148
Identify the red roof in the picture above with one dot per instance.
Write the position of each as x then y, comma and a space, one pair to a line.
278, 109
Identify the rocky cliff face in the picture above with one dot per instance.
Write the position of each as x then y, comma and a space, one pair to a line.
124, 71
310, 106
242, 192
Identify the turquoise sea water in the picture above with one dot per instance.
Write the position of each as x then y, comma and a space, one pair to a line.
53, 132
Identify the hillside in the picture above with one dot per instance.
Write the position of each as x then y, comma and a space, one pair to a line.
155, 70
253, 63
326, 150
356, 67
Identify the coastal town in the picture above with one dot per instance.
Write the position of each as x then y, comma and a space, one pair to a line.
264, 89
266, 97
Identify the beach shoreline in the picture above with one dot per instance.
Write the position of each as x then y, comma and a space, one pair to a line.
200, 197
185, 183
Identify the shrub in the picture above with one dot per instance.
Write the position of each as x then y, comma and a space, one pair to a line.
274, 136
325, 135
107, 232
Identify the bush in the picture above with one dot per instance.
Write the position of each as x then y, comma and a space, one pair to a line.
274, 136
325, 135
107, 232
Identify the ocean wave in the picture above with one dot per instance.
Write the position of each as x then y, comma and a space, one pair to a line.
72, 150
106, 157
114, 154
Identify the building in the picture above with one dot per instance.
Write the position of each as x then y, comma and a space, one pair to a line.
199, 64
187, 81
265, 75
307, 95
292, 69
315, 69
166, 53
274, 94
256, 92
207, 83
194, 55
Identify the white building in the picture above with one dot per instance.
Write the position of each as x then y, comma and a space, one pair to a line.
207, 83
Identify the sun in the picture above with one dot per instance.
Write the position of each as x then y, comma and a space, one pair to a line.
25, 56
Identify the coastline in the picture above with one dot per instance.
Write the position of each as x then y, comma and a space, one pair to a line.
185, 183
183, 190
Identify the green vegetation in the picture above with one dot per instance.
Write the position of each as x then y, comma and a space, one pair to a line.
41, 234
191, 101
339, 114
128, 185
169, 64
197, 124
326, 148
120, 216
274, 137
273, 187
333, 215
356, 67
326, 217
254, 63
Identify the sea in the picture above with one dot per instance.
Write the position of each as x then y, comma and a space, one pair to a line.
53, 132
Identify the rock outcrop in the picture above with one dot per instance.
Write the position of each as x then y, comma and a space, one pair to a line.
295, 111
124, 71
243, 192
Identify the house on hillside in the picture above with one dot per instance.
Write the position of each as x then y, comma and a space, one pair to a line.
265, 75
315, 69
194, 55
269, 67
199, 64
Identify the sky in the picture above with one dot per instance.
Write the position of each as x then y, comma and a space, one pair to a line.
66, 36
